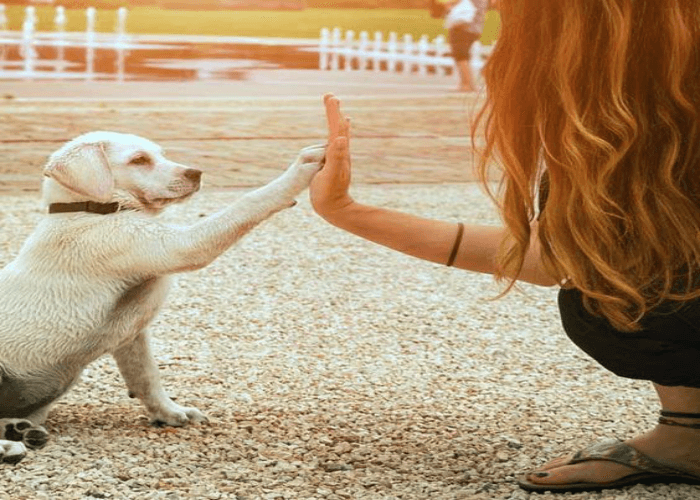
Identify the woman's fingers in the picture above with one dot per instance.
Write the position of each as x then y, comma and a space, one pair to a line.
337, 151
346, 129
336, 121
332, 116
338, 147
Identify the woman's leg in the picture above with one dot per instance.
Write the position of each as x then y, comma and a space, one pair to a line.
466, 83
669, 444
461, 40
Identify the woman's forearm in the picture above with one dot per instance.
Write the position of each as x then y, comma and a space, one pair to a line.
416, 236
433, 240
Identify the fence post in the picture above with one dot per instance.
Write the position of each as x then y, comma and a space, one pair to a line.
363, 51
423, 60
475, 60
441, 50
28, 33
59, 22
90, 14
120, 42
408, 53
59, 19
349, 49
393, 52
335, 48
323, 47
377, 50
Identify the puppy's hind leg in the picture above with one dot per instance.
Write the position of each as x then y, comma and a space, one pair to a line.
140, 372
22, 423
24, 431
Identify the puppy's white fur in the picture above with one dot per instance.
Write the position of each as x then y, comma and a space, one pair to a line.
85, 284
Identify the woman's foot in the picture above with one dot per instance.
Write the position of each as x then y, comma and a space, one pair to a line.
677, 447
671, 445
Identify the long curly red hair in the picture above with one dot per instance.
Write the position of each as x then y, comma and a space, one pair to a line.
603, 95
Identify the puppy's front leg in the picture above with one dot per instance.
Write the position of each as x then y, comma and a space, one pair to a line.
211, 237
153, 251
140, 372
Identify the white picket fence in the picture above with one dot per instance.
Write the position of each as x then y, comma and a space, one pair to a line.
423, 56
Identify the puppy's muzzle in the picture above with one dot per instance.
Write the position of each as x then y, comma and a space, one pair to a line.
193, 175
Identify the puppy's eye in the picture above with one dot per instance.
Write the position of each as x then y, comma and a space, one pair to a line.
140, 160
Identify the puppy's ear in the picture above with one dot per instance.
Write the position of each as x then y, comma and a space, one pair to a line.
84, 169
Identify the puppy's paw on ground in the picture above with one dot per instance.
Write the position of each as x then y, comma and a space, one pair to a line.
12, 452
177, 416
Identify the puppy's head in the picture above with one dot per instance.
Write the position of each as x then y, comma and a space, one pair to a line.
109, 166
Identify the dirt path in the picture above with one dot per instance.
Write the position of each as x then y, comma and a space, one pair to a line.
241, 133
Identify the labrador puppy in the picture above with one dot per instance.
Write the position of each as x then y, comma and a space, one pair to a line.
95, 271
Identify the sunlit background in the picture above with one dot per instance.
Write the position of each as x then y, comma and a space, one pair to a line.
219, 39
270, 18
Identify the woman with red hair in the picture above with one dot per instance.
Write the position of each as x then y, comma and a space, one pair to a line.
593, 114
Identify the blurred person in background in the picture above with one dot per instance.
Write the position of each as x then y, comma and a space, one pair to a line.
464, 22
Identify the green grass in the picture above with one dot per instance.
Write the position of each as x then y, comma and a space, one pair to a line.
268, 23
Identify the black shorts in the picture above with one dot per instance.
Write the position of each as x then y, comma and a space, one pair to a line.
665, 351
461, 40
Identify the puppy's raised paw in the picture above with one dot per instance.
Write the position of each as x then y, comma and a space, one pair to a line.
313, 155
12, 452
22, 430
299, 174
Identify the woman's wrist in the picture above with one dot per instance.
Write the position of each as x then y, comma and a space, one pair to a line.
338, 212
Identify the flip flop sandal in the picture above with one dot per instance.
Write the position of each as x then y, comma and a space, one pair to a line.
649, 471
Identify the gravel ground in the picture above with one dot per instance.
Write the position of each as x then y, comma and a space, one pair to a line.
331, 368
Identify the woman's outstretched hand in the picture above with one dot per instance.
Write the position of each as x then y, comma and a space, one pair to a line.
329, 188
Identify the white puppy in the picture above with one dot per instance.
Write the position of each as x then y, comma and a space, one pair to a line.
94, 273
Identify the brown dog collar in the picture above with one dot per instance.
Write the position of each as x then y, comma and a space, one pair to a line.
92, 207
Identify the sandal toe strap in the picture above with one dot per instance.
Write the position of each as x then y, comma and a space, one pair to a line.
666, 417
621, 453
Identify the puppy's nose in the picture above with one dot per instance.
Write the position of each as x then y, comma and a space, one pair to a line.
192, 174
